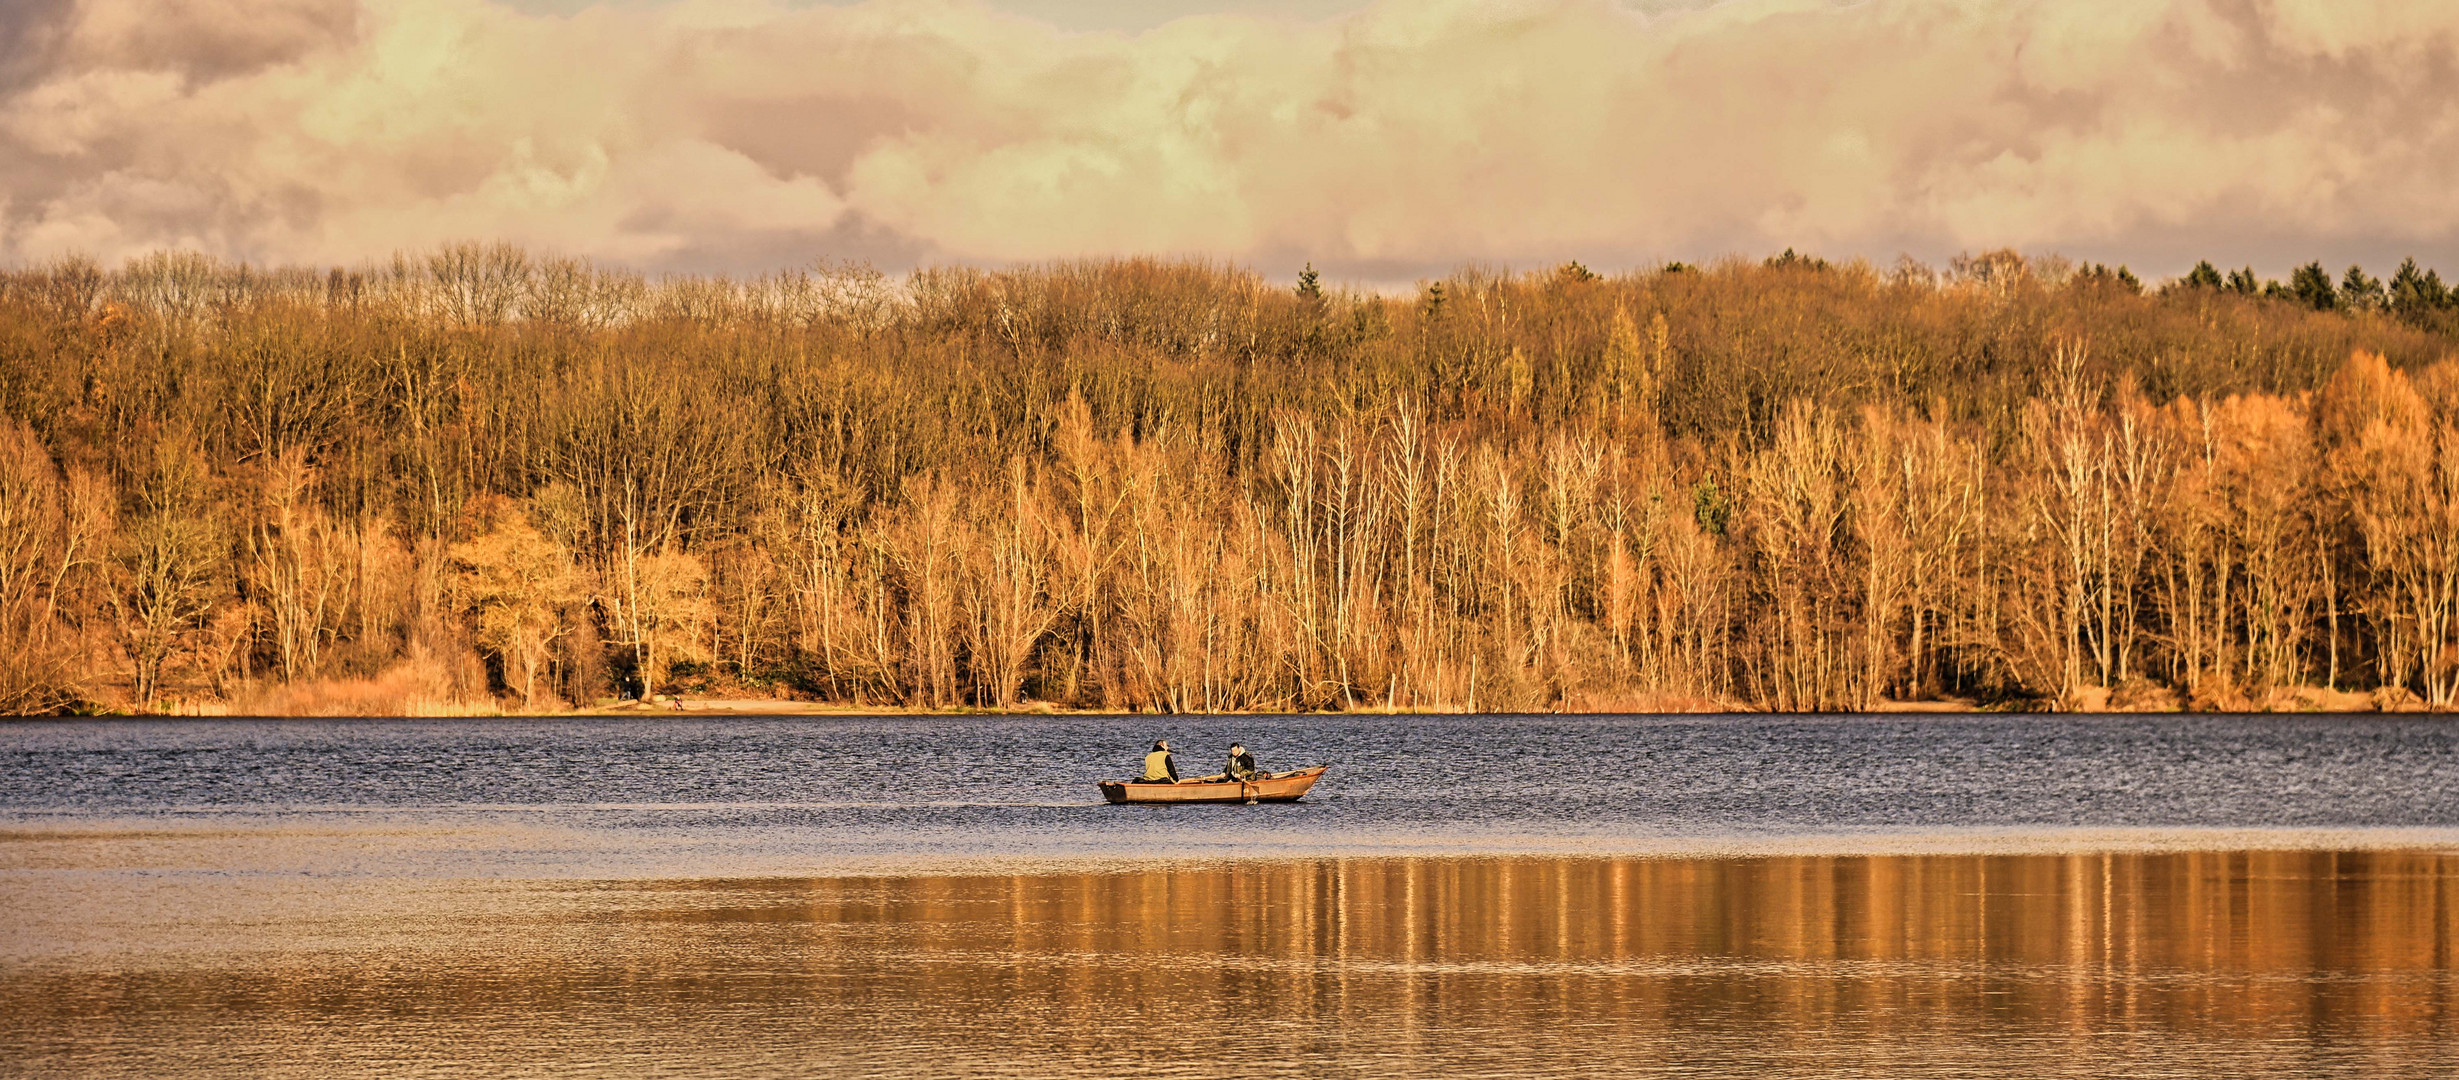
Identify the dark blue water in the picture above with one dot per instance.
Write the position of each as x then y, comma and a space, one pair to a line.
803, 794
756, 898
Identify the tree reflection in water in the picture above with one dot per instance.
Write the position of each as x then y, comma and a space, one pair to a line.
2246, 963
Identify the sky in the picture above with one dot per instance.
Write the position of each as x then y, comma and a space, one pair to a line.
1380, 141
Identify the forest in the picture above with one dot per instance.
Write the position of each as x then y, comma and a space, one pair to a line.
480, 479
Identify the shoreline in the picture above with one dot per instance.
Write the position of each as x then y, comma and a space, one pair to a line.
783, 708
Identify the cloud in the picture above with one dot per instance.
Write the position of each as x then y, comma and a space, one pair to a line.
1405, 137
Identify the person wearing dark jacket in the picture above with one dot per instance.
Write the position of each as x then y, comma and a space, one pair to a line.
1159, 766
1241, 764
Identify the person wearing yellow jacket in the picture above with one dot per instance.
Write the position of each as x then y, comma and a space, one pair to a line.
1159, 766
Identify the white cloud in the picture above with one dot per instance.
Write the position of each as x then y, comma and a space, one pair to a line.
1407, 135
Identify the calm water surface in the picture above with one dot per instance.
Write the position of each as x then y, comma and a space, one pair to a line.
1933, 896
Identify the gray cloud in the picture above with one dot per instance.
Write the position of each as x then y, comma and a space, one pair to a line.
1405, 136
30, 35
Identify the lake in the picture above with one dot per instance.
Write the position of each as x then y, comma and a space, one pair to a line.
1678, 896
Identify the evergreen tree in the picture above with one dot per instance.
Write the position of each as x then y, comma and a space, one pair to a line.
2311, 285
2414, 292
1796, 260
2359, 292
2100, 274
2244, 282
1309, 288
2203, 276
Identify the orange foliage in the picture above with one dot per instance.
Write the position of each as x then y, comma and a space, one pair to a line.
1156, 485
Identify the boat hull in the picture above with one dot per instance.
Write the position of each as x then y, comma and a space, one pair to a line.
1278, 787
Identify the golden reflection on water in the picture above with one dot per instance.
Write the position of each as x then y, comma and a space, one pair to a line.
2191, 964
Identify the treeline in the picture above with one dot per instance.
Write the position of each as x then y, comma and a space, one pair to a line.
481, 476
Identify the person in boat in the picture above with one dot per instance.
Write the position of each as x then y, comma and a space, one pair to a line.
1241, 764
1159, 766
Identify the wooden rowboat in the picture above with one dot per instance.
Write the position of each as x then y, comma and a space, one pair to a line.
1270, 787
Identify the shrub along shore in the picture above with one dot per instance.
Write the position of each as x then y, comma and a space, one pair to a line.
479, 480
